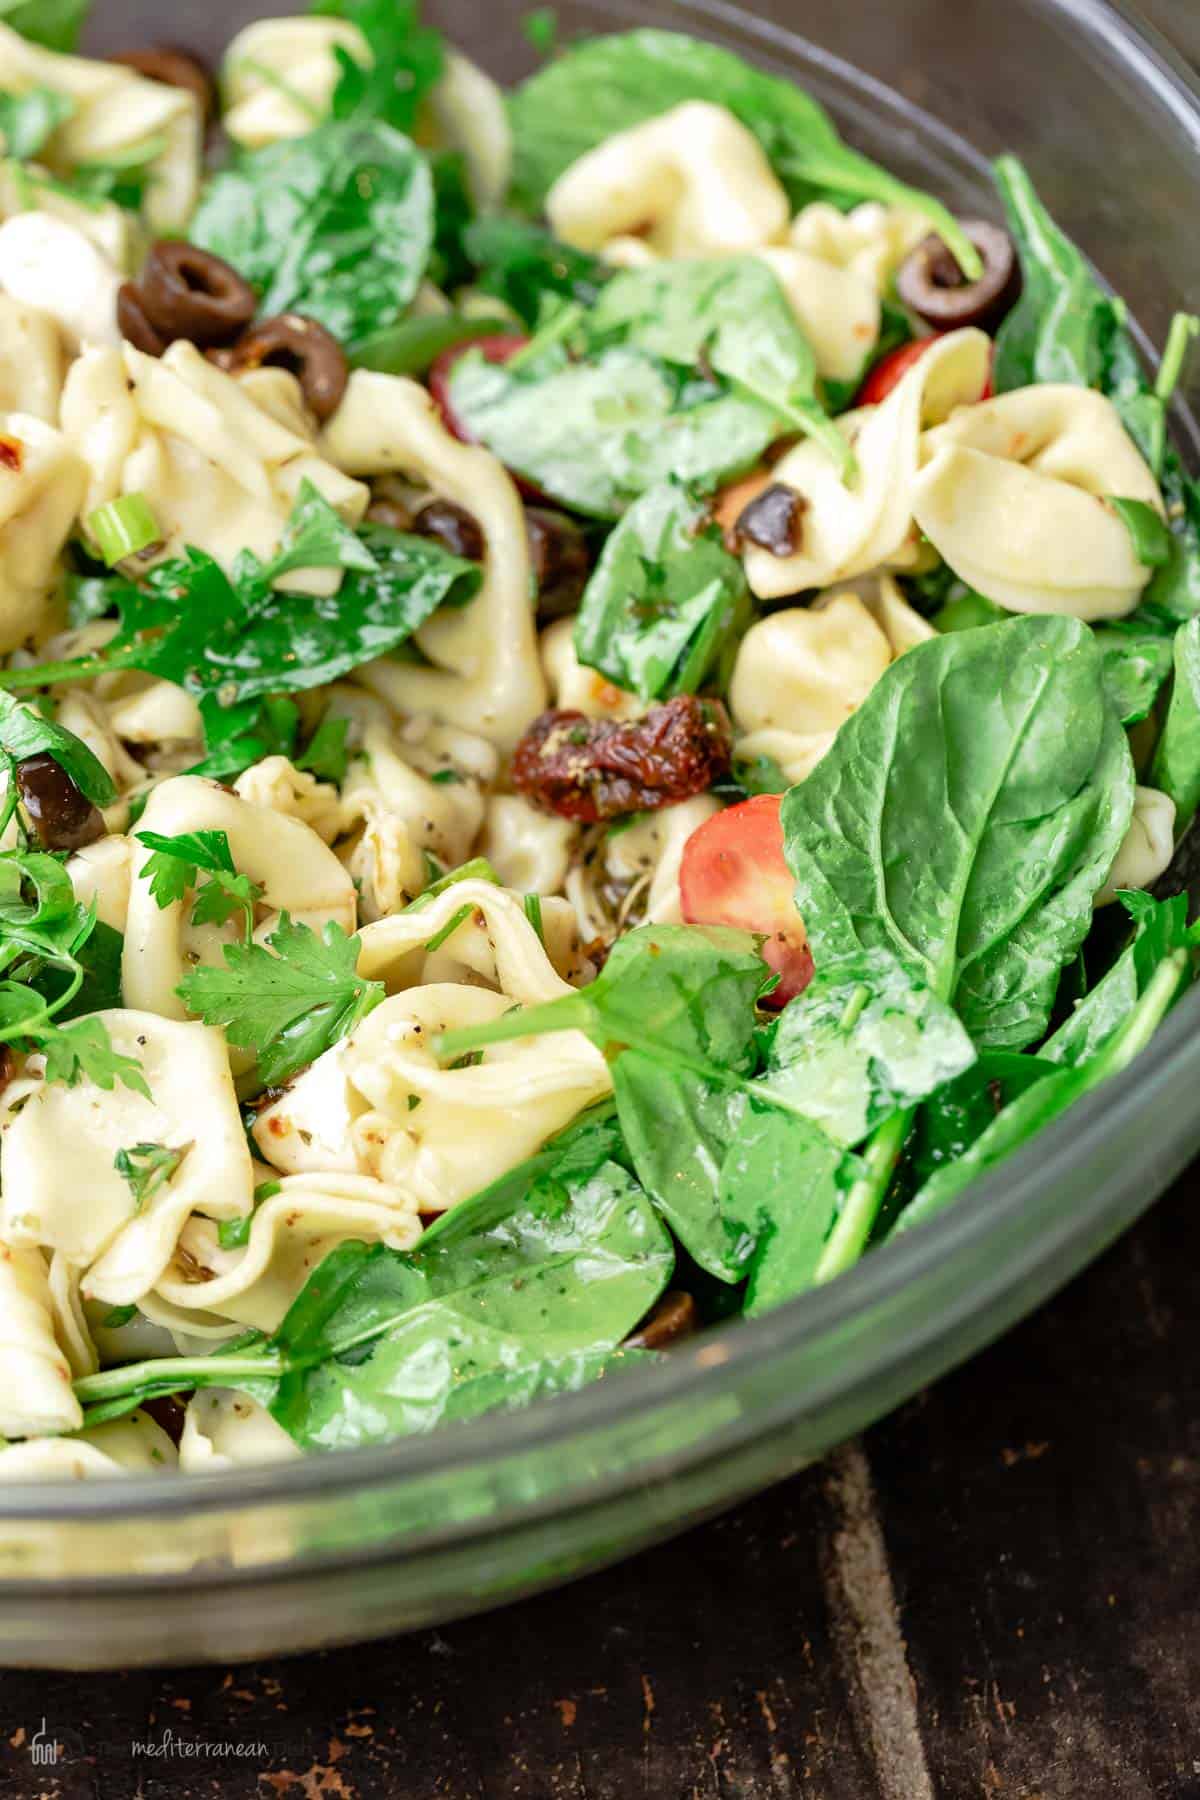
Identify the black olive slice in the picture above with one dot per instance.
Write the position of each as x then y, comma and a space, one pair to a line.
931, 284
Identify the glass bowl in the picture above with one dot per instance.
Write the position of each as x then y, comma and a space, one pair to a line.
260, 1562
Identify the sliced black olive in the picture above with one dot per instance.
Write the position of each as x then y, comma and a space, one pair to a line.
932, 285
306, 349
673, 1319
452, 526
133, 322
773, 520
187, 292
560, 560
174, 67
62, 817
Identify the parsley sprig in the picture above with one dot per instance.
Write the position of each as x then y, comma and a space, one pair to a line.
175, 868
288, 1003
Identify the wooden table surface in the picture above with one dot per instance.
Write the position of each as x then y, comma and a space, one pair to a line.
993, 1594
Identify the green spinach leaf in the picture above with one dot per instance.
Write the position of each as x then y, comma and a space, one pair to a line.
1047, 1099
54, 23
864, 1040
529, 270
965, 817
336, 225
666, 603
596, 433
731, 313
1160, 928
1176, 765
28, 120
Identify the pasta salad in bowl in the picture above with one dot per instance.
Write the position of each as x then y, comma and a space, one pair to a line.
599, 695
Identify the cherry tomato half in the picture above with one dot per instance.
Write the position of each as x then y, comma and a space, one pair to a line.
495, 350
889, 370
733, 873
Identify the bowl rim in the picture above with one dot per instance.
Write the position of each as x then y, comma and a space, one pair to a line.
688, 1375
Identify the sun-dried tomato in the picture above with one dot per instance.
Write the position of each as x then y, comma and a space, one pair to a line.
594, 769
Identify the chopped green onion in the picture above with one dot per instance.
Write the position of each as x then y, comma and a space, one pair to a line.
533, 912
450, 927
122, 528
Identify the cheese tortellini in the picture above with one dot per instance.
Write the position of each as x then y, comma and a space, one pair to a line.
693, 181
297, 872
219, 471
850, 527
62, 1189
116, 115
802, 671
42, 483
1013, 494
485, 675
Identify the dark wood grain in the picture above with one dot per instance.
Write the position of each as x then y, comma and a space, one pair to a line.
994, 1596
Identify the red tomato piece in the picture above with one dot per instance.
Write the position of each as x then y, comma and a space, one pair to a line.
889, 370
734, 873
496, 349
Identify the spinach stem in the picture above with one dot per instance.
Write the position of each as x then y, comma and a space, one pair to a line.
848, 1238
1184, 327
176, 1371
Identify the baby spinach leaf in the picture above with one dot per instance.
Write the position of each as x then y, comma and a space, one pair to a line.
791, 1181
954, 1116
1148, 534
1137, 657
862, 1041
56, 24
679, 1129
596, 433
683, 992
965, 817
1066, 328
28, 120
1176, 765
529, 270
607, 84
1047, 1099
1063, 326
666, 603
336, 225
1160, 928
731, 313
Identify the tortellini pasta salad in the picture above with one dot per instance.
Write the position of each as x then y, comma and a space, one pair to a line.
596, 697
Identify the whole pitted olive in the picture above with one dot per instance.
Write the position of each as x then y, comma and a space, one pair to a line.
62, 817
306, 349
174, 67
931, 284
184, 292
560, 559
133, 321
452, 526
189, 293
